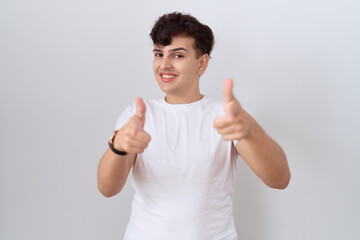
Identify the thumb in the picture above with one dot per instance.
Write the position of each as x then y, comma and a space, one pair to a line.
228, 97
227, 90
140, 108
140, 115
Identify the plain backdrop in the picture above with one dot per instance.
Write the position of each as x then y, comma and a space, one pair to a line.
69, 67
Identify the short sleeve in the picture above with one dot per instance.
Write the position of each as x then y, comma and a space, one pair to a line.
125, 116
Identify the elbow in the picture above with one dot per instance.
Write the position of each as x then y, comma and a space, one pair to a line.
283, 186
108, 193
281, 183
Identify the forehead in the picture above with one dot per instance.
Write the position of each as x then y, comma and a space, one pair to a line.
179, 41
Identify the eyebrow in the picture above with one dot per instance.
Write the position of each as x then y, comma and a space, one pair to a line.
172, 50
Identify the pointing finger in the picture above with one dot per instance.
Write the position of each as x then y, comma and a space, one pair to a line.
220, 122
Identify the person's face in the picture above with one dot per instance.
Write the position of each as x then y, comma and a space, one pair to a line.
177, 69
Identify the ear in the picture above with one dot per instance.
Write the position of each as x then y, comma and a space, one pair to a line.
204, 60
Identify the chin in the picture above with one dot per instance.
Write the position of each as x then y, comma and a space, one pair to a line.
166, 90
164, 87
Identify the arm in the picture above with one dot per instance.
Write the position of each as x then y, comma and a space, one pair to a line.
263, 155
113, 169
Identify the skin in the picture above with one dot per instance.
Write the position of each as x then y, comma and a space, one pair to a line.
179, 58
180, 61
262, 154
113, 169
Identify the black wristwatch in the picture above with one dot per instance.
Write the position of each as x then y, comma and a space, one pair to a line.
111, 145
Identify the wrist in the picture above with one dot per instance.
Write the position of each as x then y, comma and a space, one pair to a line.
114, 149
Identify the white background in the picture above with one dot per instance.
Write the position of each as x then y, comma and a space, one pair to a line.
68, 68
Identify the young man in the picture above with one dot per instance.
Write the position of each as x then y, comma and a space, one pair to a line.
183, 147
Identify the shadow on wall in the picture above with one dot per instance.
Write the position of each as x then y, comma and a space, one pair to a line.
248, 208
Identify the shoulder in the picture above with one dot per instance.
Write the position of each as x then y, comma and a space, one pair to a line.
154, 105
154, 102
214, 104
125, 115
213, 101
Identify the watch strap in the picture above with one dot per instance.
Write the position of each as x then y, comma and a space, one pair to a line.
111, 145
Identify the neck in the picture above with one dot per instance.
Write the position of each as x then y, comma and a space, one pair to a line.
184, 99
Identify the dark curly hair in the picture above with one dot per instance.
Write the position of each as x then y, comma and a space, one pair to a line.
175, 24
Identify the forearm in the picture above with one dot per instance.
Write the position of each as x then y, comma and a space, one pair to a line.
113, 171
265, 157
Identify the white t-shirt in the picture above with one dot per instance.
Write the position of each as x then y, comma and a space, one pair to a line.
184, 179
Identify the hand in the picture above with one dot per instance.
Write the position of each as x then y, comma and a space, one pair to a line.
132, 138
237, 123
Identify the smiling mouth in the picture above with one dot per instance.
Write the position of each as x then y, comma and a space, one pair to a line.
167, 77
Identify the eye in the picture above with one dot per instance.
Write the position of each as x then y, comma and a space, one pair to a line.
178, 56
158, 54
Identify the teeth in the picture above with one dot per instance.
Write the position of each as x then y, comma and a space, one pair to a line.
168, 76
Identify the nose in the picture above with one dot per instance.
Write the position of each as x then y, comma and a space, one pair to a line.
165, 63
